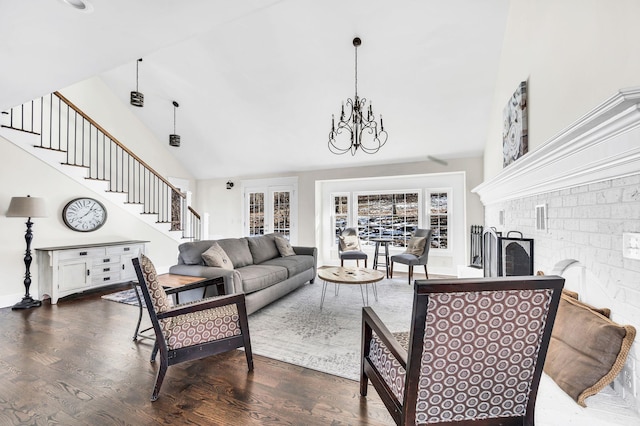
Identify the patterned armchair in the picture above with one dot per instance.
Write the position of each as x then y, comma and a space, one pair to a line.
191, 330
474, 353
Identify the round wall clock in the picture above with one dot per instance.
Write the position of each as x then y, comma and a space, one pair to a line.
84, 214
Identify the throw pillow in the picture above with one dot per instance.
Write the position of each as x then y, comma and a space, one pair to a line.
587, 350
215, 256
415, 246
349, 242
284, 246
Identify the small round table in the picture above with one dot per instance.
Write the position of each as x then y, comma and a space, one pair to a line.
384, 242
349, 275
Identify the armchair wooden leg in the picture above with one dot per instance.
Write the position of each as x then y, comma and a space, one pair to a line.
159, 379
391, 270
341, 262
425, 272
410, 274
365, 263
154, 352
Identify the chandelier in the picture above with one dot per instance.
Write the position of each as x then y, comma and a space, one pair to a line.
358, 129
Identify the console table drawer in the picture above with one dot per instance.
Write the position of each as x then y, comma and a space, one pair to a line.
81, 253
133, 250
108, 278
105, 260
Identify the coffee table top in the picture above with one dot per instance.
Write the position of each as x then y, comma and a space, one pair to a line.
349, 275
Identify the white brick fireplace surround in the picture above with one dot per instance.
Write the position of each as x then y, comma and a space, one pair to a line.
588, 178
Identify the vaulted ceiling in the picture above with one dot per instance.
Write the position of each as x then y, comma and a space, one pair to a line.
258, 80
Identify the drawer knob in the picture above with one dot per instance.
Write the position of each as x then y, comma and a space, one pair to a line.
83, 253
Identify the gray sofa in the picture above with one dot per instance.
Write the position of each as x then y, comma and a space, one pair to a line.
260, 272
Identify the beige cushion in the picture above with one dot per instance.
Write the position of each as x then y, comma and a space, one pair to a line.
349, 242
216, 256
416, 245
587, 350
284, 246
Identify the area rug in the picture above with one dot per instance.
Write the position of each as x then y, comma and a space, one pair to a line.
126, 296
294, 329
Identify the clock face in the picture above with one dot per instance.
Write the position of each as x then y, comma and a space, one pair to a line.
84, 214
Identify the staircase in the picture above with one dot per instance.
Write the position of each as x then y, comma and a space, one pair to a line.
53, 129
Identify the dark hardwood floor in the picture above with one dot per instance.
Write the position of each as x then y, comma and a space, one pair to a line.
75, 363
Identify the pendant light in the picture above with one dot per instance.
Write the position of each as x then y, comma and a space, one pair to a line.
137, 98
174, 140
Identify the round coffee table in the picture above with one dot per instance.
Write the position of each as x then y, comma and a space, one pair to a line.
349, 275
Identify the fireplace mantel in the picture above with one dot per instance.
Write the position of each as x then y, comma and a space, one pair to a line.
603, 144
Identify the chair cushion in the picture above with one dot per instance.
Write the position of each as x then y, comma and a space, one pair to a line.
215, 256
161, 302
353, 254
257, 277
263, 248
587, 350
349, 242
201, 326
284, 246
416, 245
407, 259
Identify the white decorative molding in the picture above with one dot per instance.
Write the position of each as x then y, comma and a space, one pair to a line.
603, 144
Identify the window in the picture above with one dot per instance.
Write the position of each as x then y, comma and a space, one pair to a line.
256, 213
438, 211
388, 215
340, 214
281, 212
270, 206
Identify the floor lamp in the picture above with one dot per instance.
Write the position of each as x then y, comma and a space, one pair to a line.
27, 207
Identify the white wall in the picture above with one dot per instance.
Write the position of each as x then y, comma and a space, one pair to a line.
22, 174
574, 54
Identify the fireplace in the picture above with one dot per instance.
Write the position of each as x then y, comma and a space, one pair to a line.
507, 256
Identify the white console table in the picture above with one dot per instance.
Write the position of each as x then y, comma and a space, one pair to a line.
72, 269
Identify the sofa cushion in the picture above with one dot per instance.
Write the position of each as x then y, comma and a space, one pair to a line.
238, 251
191, 252
294, 264
284, 246
257, 277
215, 256
587, 350
263, 248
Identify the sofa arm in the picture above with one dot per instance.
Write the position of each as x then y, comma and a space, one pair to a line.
309, 251
207, 272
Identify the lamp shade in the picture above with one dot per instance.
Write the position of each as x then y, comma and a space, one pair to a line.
27, 207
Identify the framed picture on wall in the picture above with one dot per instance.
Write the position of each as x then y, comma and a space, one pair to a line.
515, 142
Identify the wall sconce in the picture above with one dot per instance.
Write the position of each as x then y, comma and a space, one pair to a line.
229, 184
137, 98
174, 140
27, 207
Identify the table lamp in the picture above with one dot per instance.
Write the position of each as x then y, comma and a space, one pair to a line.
27, 207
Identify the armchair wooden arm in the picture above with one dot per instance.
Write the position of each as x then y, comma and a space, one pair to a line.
201, 305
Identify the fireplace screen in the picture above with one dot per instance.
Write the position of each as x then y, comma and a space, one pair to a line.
507, 256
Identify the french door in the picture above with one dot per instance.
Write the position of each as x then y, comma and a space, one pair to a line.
271, 209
